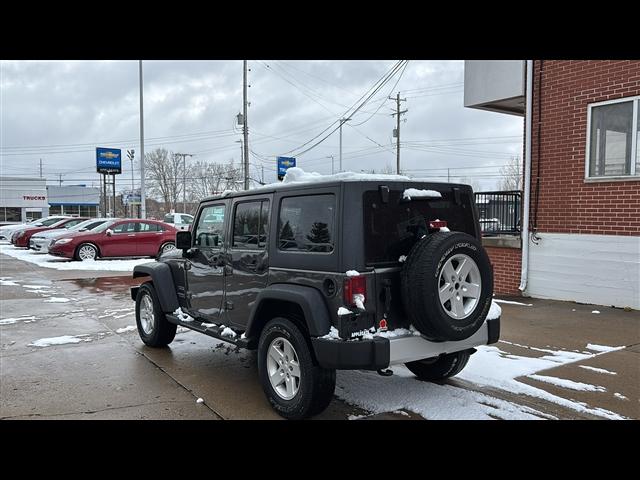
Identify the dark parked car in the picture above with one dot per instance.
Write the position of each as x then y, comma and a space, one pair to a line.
118, 238
341, 273
22, 238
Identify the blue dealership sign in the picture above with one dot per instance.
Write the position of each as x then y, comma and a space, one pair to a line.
109, 160
283, 164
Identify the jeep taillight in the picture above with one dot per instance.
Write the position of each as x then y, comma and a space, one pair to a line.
355, 290
433, 224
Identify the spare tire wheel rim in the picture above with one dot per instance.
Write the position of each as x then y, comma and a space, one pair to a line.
283, 368
459, 286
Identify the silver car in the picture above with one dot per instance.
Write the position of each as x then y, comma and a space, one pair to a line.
40, 242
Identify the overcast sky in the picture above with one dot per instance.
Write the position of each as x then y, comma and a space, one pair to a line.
60, 111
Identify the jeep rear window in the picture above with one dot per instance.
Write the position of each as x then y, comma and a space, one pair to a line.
391, 229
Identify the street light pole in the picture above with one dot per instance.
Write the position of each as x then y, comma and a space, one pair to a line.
143, 198
131, 154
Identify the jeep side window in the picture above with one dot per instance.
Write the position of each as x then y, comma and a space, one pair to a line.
306, 223
210, 229
250, 225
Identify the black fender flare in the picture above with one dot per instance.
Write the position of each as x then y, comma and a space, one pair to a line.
162, 279
309, 299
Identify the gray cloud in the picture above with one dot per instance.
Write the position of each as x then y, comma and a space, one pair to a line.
83, 104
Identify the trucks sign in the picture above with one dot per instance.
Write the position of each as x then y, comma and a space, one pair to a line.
109, 160
283, 164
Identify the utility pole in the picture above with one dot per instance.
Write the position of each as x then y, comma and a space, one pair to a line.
184, 179
397, 132
245, 129
241, 155
331, 157
60, 179
342, 121
40, 168
262, 177
143, 197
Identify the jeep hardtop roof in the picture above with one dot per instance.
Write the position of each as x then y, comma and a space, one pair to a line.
296, 178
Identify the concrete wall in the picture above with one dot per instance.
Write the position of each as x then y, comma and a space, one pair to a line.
599, 269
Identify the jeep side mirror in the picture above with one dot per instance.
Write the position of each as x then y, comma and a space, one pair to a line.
183, 239
109, 232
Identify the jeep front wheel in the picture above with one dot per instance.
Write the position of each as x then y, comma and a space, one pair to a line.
153, 327
294, 384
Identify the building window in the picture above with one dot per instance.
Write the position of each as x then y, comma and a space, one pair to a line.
613, 139
11, 214
55, 210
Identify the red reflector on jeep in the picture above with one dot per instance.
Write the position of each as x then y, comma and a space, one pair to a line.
354, 286
437, 224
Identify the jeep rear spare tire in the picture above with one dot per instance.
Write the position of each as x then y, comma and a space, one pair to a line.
447, 285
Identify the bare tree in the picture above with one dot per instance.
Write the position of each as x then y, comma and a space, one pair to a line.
207, 178
387, 170
164, 176
475, 184
511, 175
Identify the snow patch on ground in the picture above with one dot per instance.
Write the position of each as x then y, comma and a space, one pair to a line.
24, 318
4, 281
410, 193
128, 328
570, 384
403, 391
57, 300
57, 263
200, 400
602, 348
510, 302
595, 311
620, 396
62, 340
599, 370
495, 368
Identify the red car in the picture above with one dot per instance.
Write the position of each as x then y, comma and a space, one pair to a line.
119, 238
23, 237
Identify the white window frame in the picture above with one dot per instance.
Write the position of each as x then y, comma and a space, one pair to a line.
634, 175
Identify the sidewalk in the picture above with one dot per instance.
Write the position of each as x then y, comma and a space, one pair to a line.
601, 366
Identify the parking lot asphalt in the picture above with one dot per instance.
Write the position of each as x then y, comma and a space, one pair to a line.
104, 371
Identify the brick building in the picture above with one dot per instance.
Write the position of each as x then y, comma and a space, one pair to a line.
582, 177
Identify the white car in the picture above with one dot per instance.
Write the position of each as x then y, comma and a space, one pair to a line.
181, 221
40, 241
7, 230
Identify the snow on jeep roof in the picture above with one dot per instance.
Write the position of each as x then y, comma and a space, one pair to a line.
296, 176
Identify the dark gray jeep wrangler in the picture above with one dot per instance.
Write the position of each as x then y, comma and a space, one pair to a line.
341, 273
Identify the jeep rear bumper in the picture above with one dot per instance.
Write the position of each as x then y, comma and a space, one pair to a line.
381, 352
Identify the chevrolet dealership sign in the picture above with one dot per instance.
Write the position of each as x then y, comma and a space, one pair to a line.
109, 160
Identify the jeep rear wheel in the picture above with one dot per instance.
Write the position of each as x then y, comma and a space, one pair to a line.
153, 327
441, 367
294, 384
447, 285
